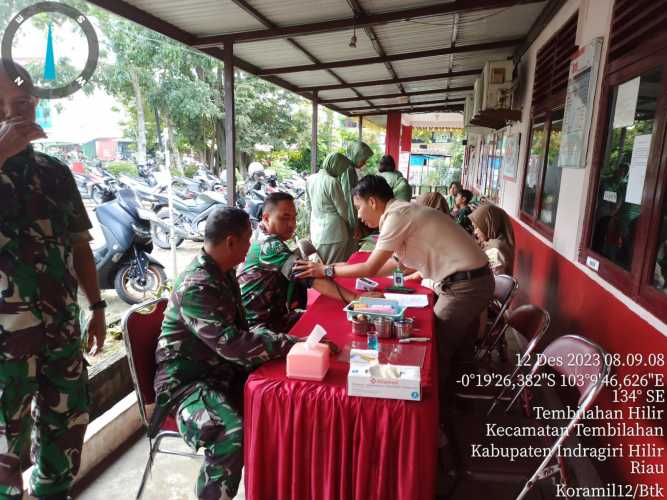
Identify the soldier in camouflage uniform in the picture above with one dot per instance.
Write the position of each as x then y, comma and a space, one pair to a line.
44, 251
205, 350
270, 293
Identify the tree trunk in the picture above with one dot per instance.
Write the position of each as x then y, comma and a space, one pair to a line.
141, 119
173, 148
220, 150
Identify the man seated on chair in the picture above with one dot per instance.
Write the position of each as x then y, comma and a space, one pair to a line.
205, 350
271, 295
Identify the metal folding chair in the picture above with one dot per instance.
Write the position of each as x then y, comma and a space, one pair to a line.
141, 328
504, 291
531, 323
471, 430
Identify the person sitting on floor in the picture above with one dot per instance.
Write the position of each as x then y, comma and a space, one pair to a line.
493, 230
398, 183
463, 210
271, 295
205, 350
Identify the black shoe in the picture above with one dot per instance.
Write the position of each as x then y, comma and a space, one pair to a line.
56, 496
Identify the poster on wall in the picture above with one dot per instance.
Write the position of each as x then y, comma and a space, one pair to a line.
511, 156
581, 86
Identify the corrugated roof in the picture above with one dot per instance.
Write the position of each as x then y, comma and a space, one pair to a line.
200, 17
401, 35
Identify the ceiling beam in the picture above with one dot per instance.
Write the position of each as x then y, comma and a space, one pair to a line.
372, 83
394, 57
358, 10
428, 109
404, 104
548, 13
358, 21
465, 88
243, 4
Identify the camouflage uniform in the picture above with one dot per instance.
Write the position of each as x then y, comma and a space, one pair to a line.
41, 216
269, 293
203, 355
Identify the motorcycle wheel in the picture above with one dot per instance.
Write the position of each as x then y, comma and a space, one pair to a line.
97, 195
160, 234
131, 290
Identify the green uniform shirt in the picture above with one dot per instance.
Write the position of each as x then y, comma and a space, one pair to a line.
269, 293
41, 216
205, 336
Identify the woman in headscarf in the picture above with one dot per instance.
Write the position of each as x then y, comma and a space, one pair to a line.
493, 230
358, 154
395, 179
329, 223
433, 200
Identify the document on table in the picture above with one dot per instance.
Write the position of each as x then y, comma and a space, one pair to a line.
417, 300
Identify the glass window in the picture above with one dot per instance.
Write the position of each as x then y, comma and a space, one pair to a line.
619, 196
551, 185
534, 168
660, 269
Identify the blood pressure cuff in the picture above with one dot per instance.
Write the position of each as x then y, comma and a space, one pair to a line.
288, 271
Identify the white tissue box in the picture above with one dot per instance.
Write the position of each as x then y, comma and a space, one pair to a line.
403, 383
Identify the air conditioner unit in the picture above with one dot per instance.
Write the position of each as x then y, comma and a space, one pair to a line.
497, 79
478, 96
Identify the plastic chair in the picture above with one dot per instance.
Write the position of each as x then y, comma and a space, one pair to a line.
141, 327
504, 291
470, 431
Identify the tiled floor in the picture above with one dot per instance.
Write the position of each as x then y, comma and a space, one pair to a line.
172, 477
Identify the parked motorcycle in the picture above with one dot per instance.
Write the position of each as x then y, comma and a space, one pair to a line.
124, 262
189, 218
102, 185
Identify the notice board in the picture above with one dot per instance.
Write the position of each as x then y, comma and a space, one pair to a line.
581, 86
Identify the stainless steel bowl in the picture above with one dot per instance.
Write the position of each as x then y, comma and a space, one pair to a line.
383, 327
403, 328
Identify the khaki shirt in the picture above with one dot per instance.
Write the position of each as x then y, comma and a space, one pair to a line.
428, 240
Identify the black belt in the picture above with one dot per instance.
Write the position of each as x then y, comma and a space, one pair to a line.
466, 275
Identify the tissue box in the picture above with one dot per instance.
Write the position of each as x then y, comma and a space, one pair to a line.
308, 364
362, 382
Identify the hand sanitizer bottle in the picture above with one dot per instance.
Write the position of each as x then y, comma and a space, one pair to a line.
399, 279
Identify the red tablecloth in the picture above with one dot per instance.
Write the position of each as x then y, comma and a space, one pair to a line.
309, 440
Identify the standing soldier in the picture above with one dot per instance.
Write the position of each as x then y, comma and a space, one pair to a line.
205, 350
44, 252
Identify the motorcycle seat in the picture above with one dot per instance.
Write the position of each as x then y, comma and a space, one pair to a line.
194, 207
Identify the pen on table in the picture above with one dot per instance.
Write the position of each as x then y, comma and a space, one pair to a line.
414, 339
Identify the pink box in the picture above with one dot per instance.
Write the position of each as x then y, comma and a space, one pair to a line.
308, 364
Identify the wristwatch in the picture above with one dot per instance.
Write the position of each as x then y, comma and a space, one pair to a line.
100, 304
329, 271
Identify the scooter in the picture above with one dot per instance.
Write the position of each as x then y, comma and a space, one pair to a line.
124, 262
189, 218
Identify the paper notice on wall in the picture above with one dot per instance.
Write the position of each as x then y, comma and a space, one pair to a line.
610, 196
626, 103
638, 162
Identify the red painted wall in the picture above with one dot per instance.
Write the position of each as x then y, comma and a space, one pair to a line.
393, 138
577, 304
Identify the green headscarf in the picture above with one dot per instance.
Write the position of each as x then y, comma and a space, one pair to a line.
335, 164
358, 152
